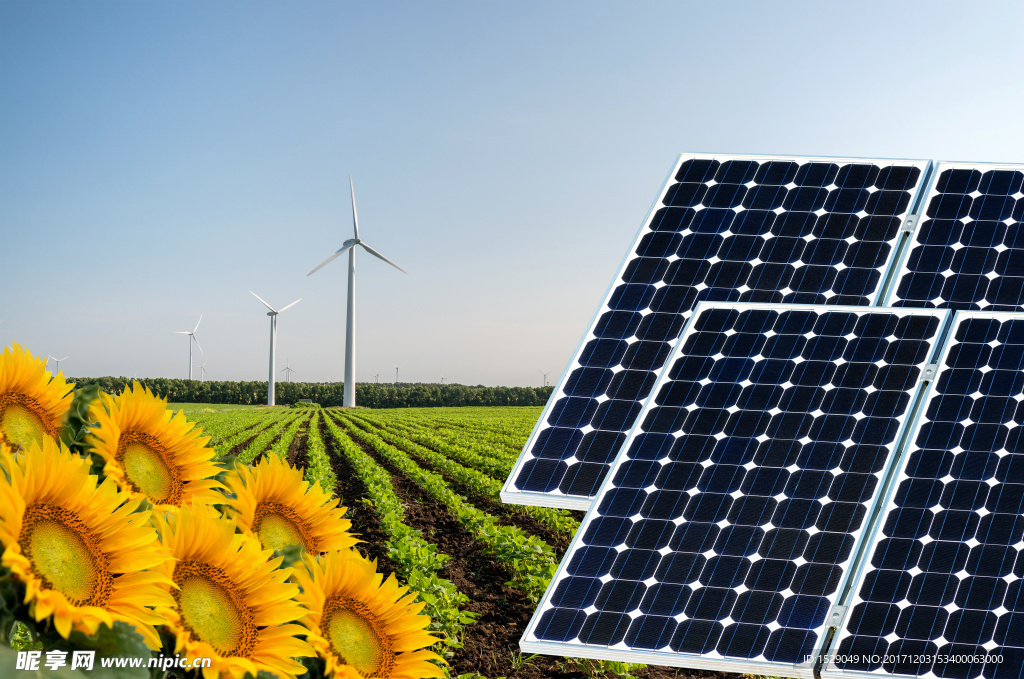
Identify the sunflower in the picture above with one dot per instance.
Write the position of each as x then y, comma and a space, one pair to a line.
231, 601
274, 504
151, 452
81, 549
32, 403
360, 627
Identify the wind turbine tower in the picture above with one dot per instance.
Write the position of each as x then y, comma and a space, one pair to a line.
545, 374
396, 371
57, 361
273, 341
349, 398
192, 337
288, 368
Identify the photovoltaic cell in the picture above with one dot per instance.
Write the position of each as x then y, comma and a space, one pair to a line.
968, 251
728, 228
726, 529
943, 592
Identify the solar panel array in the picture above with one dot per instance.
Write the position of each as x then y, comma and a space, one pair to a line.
727, 528
736, 228
803, 492
968, 252
943, 592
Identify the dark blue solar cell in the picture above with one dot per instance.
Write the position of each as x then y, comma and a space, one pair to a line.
560, 624
666, 599
599, 446
697, 170
583, 478
685, 194
737, 171
541, 475
604, 629
645, 270
572, 412
816, 174
696, 636
620, 596
650, 632
778, 173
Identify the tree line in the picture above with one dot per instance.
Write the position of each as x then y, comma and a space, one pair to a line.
368, 395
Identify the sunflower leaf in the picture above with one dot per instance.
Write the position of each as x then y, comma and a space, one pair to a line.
76, 427
121, 641
291, 554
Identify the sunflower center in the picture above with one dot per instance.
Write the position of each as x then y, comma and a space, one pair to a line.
64, 555
212, 609
21, 422
147, 468
278, 526
357, 637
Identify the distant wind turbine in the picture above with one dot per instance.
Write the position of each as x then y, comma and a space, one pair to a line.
57, 361
376, 378
192, 337
288, 367
349, 397
396, 371
273, 342
545, 374
442, 379
202, 373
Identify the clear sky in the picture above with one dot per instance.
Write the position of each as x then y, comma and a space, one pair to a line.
159, 159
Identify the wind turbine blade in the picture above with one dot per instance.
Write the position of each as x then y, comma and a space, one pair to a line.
264, 303
355, 217
331, 258
197, 323
290, 305
380, 256
198, 344
181, 332
63, 359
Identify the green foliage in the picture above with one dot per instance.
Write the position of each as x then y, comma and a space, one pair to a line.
76, 427
527, 558
368, 395
291, 554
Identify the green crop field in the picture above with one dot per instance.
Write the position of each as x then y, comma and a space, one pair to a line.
422, 490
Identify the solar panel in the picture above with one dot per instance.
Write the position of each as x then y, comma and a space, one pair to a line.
726, 529
736, 228
968, 252
943, 592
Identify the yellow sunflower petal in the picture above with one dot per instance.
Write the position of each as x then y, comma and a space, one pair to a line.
32, 402
273, 503
230, 604
360, 626
53, 543
151, 452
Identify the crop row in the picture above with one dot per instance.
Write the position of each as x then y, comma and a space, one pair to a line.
262, 442
417, 561
528, 559
447, 460
318, 465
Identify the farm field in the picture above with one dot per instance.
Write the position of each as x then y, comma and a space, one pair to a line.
421, 487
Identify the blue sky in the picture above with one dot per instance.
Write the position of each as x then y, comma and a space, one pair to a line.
159, 159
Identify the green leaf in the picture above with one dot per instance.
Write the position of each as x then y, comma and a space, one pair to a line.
291, 554
121, 641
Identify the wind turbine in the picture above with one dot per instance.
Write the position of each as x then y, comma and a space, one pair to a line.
349, 395
288, 367
396, 371
57, 361
545, 374
192, 336
376, 378
273, 341
202, 371
442, 379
